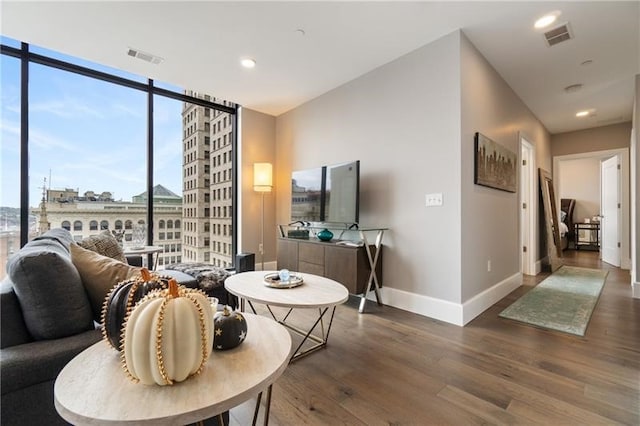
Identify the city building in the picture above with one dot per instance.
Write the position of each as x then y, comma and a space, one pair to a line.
92, 213
10, 234
207, 183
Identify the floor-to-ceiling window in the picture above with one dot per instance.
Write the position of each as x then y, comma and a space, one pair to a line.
95, 153
10, 157
168, 199
87, 150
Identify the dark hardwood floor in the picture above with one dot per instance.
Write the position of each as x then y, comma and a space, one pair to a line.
392, 367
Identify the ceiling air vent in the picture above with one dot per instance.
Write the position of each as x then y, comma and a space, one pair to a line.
558, 35
144, 56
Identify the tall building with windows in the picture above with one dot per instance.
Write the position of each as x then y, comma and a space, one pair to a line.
221, 187
196, 171
207, 183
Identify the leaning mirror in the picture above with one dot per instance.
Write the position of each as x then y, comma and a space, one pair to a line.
552, 231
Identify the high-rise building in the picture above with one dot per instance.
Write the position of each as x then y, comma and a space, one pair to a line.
207, 183
196, 227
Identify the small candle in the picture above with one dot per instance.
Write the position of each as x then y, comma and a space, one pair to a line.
284, 275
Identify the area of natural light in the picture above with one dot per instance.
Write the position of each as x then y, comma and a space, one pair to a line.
88, 161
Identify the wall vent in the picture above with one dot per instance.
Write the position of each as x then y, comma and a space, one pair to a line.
558, 35
148, 57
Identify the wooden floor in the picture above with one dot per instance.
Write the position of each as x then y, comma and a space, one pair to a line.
392, 367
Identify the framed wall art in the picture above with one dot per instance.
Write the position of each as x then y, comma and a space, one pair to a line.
495, 165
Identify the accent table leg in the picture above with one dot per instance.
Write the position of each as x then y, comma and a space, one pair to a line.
373, 276
255, 412
267, 407
220, 419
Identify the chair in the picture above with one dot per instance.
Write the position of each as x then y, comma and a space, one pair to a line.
567, 205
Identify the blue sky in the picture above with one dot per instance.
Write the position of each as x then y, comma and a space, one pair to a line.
86, 134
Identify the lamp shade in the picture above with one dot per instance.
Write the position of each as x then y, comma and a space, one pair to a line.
262, 177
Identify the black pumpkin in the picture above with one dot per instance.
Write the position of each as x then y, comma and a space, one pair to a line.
122, 298
229, 329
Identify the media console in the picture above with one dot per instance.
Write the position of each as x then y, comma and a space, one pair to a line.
352, 262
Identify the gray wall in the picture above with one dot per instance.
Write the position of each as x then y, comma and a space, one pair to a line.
401, 122
635, 194
258, 146
490, 217
603, 138
411, 123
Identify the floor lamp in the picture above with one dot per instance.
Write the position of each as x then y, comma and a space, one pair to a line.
262, 182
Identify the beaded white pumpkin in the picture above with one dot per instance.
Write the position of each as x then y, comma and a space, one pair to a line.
168, 336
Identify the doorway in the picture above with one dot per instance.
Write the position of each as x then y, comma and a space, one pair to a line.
574, 181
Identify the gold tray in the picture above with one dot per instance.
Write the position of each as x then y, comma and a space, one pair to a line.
273, 280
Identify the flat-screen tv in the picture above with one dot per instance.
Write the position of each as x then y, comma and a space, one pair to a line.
326, 194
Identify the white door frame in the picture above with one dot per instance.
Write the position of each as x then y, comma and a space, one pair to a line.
528, 186
623, 153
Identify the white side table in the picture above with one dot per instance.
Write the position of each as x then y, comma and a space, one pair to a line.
152, 250
316, 292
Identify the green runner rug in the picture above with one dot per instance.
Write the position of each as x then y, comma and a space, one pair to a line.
564, 301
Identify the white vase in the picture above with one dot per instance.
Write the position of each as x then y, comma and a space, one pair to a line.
139, 237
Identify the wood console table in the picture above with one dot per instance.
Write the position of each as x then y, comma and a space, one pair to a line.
353, 262
93, 390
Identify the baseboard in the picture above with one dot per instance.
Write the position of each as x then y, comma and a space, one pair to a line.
443, 310
635, 290
483, 301
538, 267
431, 307
268, 266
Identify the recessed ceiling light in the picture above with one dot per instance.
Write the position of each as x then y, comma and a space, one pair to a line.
248, 63
547, 19
583, 113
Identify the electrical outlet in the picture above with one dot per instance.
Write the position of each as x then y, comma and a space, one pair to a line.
433, 199
260, 249
488, 266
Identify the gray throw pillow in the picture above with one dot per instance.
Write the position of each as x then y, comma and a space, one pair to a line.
49, 289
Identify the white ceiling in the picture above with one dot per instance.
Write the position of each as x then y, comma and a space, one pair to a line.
202, 42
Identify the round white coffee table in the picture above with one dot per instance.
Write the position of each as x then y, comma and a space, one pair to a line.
92, 389
316, 292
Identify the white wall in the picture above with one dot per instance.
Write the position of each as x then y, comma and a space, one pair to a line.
401, 121
580, 179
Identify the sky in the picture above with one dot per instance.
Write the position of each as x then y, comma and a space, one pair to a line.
84, 134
